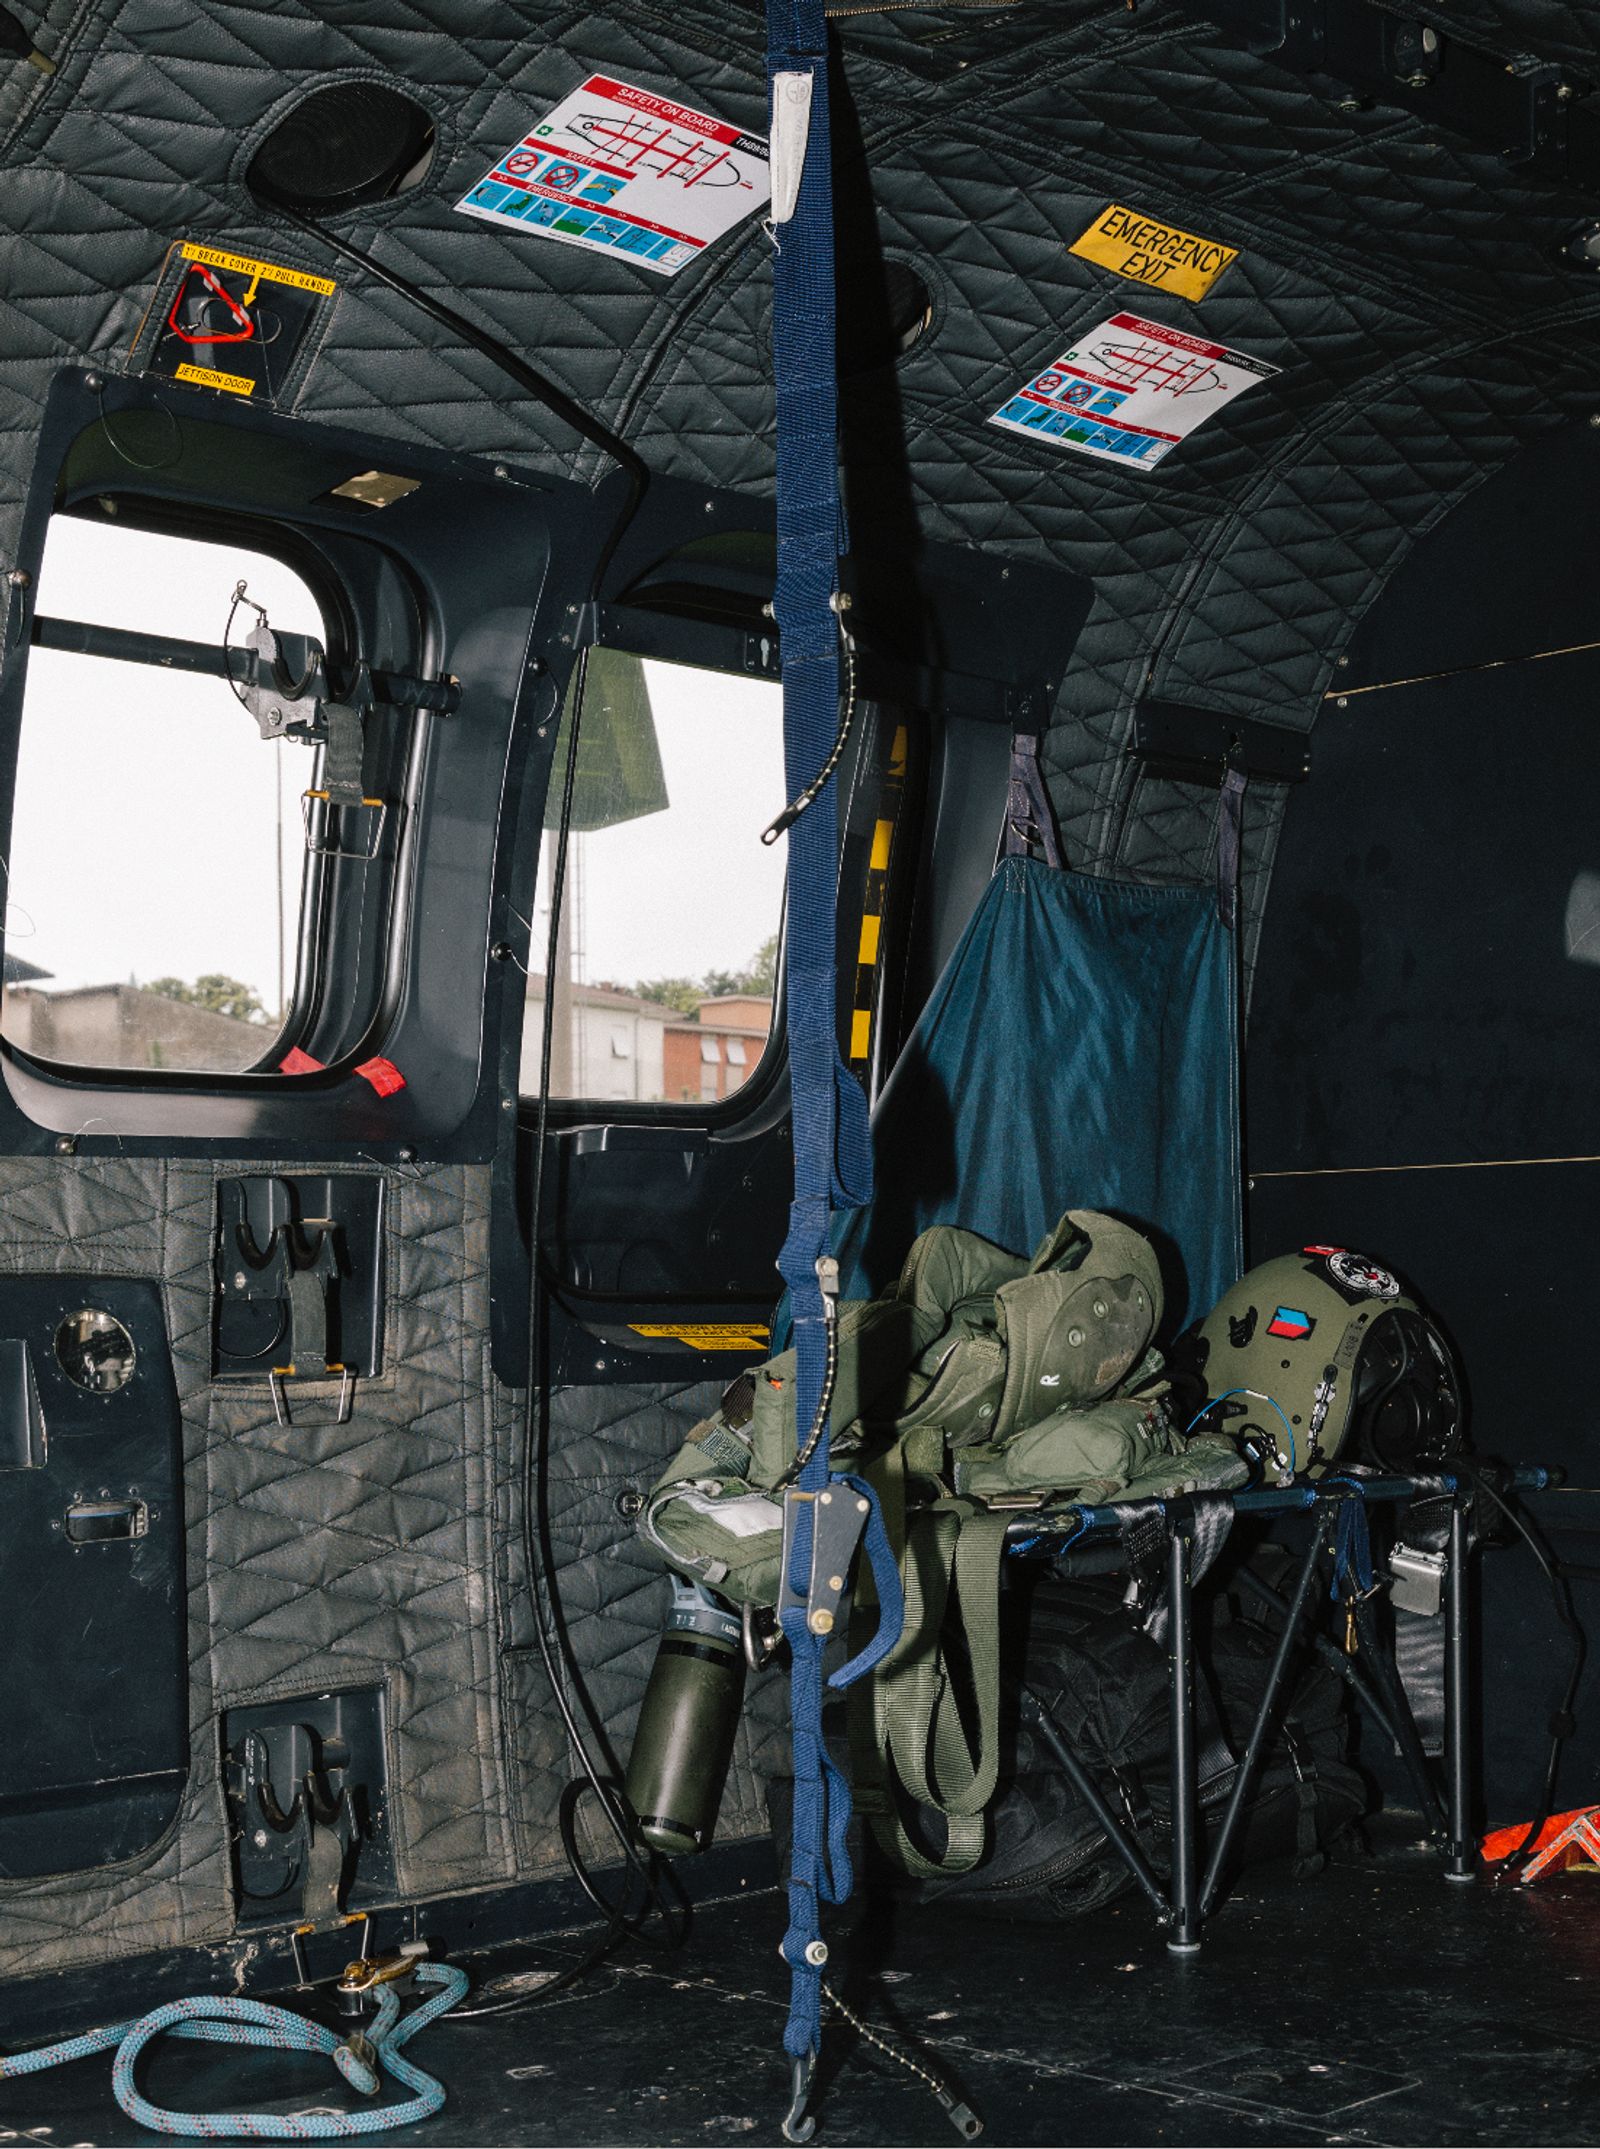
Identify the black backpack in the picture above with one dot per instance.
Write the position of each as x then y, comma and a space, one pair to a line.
1105, 1686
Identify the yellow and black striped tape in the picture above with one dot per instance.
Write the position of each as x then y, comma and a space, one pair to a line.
874, 894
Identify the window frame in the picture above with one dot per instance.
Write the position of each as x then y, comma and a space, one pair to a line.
200, 522
697, 643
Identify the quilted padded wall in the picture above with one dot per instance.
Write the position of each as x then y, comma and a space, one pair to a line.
384, 1552
319, 1555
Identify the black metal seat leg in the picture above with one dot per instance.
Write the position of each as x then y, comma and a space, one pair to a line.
1461, 1851
1184, 1938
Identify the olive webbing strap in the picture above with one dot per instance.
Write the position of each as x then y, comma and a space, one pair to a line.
912, 1730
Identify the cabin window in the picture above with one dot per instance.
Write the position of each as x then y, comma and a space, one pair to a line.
157, 853
673, 906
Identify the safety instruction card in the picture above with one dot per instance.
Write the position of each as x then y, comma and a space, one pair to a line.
622, 170
1129, 391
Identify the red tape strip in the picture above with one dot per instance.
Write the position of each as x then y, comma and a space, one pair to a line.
383, 1074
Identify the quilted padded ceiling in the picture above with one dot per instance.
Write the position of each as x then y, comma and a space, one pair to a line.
1407, 285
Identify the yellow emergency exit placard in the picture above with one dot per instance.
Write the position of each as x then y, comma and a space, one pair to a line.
1149, 252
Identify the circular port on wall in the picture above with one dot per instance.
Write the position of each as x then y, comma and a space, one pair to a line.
95, 1351
343, 147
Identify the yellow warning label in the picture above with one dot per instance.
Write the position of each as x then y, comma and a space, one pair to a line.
263, 271
208, 377
1149, 252
708, 1335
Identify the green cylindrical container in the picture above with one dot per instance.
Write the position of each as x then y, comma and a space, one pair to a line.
684, 1742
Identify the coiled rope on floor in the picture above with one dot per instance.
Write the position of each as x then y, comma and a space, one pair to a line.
361, 2056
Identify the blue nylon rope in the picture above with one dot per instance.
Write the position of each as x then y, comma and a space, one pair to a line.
832, 1154
254, 2022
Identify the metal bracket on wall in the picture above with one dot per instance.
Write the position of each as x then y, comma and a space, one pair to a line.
882, 676
1200, 745
1525, 109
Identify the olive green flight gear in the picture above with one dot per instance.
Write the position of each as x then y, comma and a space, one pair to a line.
978, 1386
1321, 1353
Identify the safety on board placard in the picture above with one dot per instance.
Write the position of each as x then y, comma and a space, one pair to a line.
626, 172
1147, 251
1129, 391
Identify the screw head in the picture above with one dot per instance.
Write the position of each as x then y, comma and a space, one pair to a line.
816, 1953
66, 1145
260, 1839
240, 1280
93, 382
19, 578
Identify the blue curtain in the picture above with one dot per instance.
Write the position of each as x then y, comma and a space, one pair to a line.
1080, 1051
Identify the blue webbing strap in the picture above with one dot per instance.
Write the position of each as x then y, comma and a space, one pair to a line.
1352, 1547
832, 1154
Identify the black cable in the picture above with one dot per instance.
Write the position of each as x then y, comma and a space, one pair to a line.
1562, 1720
543, 391
641, 1864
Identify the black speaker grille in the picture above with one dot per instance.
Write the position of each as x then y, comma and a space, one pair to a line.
340, 148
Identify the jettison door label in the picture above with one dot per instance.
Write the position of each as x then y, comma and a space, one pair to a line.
1150, 252
1129, 391
622, 171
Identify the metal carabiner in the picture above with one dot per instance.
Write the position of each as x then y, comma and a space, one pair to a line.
368, 1971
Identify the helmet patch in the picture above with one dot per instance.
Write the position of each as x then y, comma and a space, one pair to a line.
1241, 1328
1291, 1322
1364, 1277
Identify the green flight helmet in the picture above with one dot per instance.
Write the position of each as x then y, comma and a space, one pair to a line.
1322, 1354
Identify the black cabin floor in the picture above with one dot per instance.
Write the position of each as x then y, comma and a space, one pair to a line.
1373, 2004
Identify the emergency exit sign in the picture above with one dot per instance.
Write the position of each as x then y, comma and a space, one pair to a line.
1150, 252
